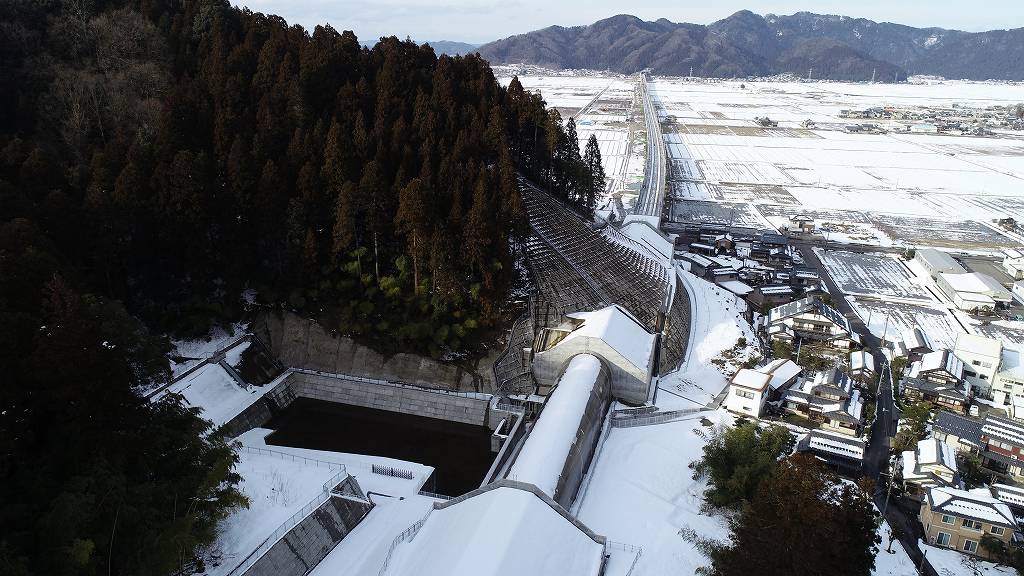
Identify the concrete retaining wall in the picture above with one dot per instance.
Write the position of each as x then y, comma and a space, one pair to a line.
302, 343
309, 541
406, 400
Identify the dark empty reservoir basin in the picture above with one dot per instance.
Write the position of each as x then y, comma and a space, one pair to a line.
460, 453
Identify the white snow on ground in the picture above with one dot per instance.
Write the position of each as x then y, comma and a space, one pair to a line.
277, 487
878, 275
896, 321
220, 397
642, 492
716, 326
282, 483
234, 355
195, 351
897, 563
948, 562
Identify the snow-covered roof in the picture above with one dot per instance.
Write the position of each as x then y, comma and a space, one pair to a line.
781, 370
979, 345
975, 283
1011, 364
641, 232
736, 287
752, 379
542, 458
938, 259
938, 360
620, 330
503, 531
861, 360
967, 504
1004, 429
776, 290
1010, 494
811, 305
835, 443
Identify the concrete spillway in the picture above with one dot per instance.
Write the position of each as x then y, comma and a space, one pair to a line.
561, 443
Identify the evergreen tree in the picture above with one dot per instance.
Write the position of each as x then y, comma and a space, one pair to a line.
595, 177
771, 534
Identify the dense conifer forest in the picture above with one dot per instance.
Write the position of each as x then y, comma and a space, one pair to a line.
158, 158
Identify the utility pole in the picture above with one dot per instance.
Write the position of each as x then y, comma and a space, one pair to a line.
873, 71
885, 331
691, 71
920, 567
810, 71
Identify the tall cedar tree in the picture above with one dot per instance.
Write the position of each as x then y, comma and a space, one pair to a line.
159, 156
179, 151
804, 521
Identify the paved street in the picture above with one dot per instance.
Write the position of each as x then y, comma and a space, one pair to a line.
887, 413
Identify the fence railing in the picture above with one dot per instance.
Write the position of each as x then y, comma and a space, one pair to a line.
394, 384
406, 536
392, 471
656, 418
290, 523
293, 457
434, 495
637, 550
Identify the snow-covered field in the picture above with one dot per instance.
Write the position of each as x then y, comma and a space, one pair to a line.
904, 188
896, 321
877, 275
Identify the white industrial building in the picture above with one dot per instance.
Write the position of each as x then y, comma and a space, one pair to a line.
1008, 383
937, 262
1013, 263
981, 357
972, 291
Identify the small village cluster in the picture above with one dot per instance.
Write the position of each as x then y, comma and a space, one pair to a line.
821, 379
954, 120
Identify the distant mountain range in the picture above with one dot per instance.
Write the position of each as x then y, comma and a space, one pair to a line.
747, 44
452, 48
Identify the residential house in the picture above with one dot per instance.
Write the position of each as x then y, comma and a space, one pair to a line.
747, 392
951, 396
1002, 441
960, 432
958, 519
769, 296
862, 366
1008, 383
812, 320
840, 450
801, 224
750, 388
830, 399
981, 357
932, 463
939, 367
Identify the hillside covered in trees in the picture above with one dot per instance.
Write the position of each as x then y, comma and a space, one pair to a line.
158, 158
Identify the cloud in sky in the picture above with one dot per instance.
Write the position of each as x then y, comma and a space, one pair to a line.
480, 21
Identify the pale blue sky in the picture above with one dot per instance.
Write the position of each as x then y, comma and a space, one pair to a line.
480, 21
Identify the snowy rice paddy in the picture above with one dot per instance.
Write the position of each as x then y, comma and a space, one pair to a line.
908, 189
897, 321
876, 275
